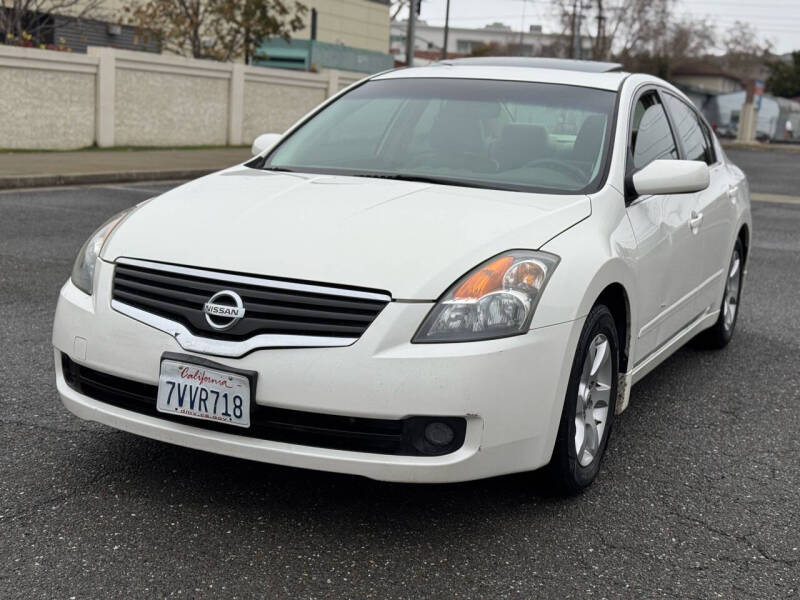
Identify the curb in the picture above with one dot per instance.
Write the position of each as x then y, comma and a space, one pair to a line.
53, 180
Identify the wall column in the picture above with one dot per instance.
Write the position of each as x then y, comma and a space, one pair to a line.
236, 105
105, 86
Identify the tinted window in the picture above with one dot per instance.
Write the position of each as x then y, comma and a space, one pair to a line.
500, 134
712, 153
695, 143
651, 136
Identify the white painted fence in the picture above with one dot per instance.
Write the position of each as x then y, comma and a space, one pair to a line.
109, 97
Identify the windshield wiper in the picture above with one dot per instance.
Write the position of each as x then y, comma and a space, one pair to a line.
281, 169
427, 179
398, 177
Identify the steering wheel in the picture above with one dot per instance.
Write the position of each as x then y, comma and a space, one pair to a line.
471, 160
559, 166
424, 157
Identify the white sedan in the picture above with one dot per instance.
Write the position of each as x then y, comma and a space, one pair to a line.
442, 274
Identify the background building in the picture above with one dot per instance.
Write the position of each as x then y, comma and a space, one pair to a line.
75, 28
356, 23
352, 35
463, 41
707, 77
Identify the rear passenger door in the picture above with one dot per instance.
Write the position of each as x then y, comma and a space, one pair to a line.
714, 205
668, 271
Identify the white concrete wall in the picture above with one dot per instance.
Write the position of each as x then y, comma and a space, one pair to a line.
47, 99
272, 98
54, 100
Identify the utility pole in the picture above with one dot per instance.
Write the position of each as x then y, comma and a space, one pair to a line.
522, 26
600, 41
411, 33
446, 30
576, 29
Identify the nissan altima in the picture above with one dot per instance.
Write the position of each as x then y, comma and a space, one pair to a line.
441, 274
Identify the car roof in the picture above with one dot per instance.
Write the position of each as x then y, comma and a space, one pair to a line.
583, 73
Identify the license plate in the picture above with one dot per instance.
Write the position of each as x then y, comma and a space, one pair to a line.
198, 392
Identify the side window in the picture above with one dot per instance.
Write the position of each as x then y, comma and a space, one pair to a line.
651, 136
693, 139
712, 153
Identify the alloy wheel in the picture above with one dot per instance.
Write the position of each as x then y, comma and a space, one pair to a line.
731, 300
594, 395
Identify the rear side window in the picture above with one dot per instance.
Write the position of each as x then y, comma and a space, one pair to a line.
694, 140
651, 136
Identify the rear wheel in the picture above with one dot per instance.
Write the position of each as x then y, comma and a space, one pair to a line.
589, 405
721, 332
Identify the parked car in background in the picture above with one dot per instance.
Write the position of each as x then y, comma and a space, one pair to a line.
442, 274
723, 110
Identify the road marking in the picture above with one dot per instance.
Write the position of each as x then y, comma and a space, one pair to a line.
776, 198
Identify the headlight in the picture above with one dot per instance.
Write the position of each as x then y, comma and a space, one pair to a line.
494, 300
83, 270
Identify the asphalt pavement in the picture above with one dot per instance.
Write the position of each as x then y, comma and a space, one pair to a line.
697, 498
769, 170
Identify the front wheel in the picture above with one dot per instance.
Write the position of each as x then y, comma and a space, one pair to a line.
589, 405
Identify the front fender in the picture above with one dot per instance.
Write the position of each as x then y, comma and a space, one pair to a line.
595, 253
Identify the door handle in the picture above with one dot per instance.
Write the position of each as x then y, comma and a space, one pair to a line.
733, 194
695, 220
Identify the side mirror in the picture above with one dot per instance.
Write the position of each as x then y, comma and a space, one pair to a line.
264, 142
671, 177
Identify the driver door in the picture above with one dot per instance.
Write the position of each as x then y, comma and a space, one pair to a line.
667, 258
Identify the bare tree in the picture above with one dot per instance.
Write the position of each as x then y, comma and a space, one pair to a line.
240, 25
397, 7
29, 22
643, 34
745, 53
673, 45
179, 25
613, 26
217, 29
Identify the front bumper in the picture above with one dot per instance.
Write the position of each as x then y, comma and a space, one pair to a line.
510, 390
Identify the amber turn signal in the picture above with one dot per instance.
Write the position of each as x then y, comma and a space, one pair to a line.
485, 280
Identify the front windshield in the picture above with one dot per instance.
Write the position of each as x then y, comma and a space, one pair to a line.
487, 133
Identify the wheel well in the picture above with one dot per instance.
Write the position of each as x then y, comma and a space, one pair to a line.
615, 299
744, 237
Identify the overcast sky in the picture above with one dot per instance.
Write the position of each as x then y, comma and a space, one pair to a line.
776, 20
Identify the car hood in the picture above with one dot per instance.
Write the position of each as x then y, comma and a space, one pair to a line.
410, 239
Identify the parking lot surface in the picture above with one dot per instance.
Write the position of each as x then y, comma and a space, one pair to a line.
697, 498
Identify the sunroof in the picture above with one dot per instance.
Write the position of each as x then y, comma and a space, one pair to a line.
587, 66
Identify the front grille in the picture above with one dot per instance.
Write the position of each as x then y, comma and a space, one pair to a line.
379, 436
272, 306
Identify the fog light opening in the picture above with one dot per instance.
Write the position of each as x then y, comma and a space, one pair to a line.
439, 434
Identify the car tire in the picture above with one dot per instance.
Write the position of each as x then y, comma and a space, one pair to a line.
719, 335
585, 427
